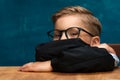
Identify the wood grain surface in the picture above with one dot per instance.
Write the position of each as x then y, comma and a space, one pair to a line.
12, 73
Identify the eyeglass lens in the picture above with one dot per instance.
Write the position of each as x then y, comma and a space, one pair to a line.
73, 33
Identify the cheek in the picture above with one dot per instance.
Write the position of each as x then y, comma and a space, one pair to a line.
86, 38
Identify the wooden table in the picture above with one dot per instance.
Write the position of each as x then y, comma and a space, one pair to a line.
12, 73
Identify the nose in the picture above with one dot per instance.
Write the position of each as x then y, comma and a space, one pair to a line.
63, 37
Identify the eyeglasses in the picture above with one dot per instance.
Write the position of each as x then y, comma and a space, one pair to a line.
72, 32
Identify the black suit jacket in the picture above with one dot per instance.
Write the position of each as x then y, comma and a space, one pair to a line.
74, 55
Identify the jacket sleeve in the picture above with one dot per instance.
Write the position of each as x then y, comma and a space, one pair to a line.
50, 50
83, 59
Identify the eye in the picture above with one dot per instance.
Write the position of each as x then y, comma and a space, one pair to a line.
73, 33
57, 35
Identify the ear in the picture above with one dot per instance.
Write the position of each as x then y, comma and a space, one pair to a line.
95, 41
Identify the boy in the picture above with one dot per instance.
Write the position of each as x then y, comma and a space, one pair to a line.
70, 24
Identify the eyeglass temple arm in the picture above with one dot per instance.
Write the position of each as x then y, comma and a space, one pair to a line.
87, 32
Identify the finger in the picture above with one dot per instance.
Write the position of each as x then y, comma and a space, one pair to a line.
26, 66
111, 50
26, 69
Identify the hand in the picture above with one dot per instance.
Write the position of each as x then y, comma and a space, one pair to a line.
107, 47
37, 66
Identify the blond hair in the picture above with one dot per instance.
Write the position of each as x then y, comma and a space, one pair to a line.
89, 20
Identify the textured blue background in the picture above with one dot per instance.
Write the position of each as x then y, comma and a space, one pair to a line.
24, 23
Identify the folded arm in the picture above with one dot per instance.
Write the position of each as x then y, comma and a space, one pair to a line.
75, 60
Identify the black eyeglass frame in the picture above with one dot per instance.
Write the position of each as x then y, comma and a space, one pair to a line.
61, 32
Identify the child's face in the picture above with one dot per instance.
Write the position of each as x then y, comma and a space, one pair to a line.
68, 21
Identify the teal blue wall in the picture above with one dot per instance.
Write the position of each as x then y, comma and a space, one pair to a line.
24, 23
